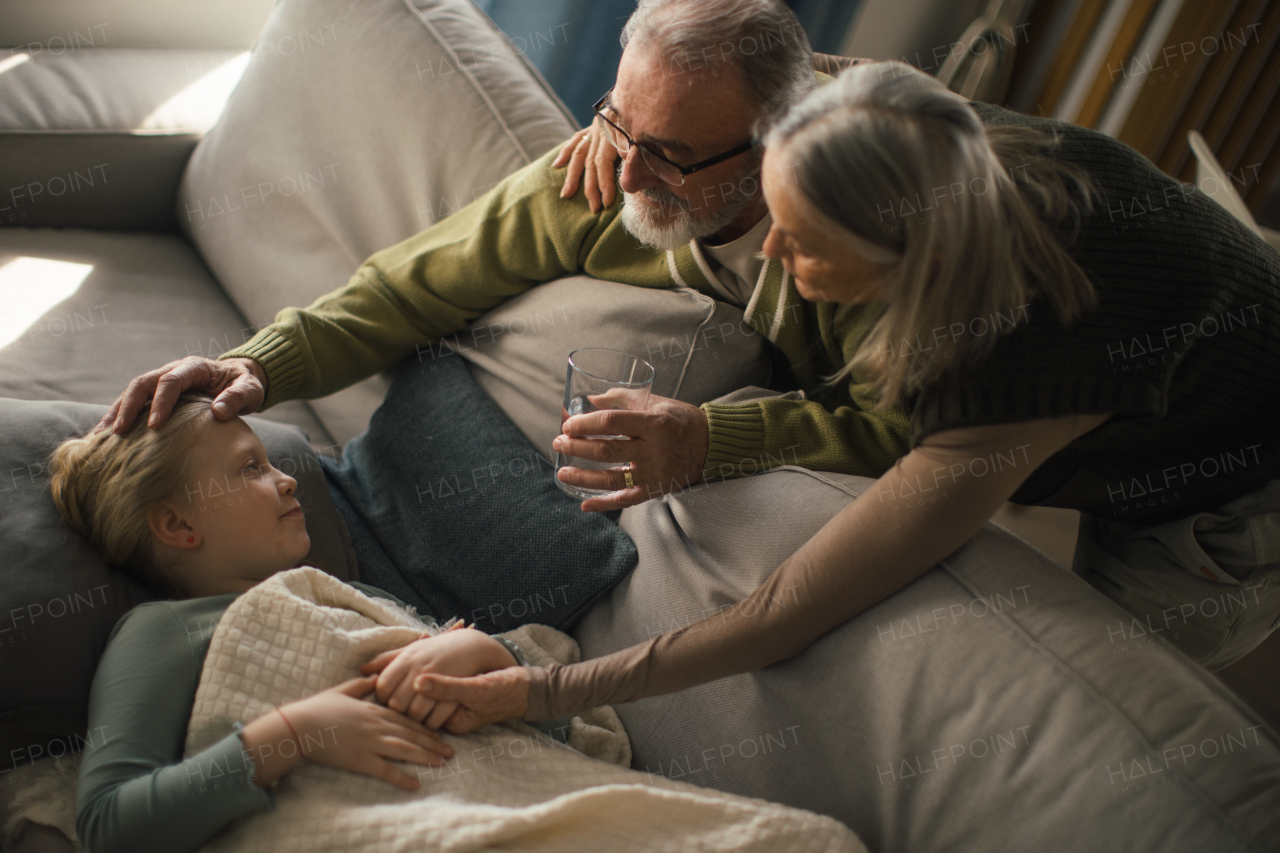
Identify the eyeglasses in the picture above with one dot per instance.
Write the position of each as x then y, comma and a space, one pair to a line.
670, 172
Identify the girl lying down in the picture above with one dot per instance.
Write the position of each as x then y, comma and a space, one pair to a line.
234, 717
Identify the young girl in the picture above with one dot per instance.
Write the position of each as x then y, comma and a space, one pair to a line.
196, 510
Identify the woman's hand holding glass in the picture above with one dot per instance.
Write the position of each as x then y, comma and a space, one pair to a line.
460, 651
339, 728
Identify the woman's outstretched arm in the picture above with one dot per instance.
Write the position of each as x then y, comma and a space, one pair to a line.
921, 510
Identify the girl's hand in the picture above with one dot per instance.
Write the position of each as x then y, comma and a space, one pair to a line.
361, 736
483, 699
592, 160
461, 652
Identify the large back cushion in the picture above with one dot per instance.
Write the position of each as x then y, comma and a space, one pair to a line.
363, 123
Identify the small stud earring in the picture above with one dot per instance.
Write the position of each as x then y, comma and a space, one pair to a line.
191, 538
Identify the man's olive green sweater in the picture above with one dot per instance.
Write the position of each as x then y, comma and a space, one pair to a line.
521, 234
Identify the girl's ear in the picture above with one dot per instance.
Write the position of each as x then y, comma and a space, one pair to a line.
170, 528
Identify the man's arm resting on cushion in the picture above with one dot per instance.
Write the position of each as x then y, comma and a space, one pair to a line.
874, 547
428, 286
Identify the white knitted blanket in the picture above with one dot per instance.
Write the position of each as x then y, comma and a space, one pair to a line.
507, 787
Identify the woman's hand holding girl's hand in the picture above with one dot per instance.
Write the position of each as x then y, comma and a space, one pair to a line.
483, 699
459, 651
338, 728
591, 159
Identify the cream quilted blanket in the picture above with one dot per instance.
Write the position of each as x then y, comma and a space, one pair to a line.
508, 786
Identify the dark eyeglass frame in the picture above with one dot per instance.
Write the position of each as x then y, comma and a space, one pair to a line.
685, 171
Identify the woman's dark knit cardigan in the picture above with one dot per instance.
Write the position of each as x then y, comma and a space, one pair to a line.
1183, 346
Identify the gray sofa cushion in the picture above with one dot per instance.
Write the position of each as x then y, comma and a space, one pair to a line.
325, 156
98, 137
997, 703
59, 601
518, 352
87, 311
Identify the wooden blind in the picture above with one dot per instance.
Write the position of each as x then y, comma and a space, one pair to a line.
1148, 71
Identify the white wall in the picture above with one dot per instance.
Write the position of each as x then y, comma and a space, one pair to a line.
58, 25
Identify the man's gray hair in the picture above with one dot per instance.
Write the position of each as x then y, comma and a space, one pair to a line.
761, 38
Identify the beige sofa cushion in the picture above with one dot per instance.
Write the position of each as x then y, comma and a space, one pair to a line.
87, 311
353, 142
518, 352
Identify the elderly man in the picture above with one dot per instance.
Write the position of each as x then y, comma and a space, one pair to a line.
698, 83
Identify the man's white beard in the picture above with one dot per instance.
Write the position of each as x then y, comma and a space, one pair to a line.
645, 223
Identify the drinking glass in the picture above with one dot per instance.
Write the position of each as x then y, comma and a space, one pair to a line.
596, 379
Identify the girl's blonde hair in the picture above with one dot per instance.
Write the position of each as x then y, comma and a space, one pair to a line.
105, 484
886, 146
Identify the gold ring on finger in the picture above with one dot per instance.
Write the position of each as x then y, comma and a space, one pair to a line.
626, 475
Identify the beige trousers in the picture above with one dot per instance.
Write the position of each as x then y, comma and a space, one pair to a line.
1208, 583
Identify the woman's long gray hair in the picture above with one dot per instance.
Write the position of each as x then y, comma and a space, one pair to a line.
962, 216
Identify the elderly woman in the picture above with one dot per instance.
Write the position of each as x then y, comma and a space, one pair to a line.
1095, 334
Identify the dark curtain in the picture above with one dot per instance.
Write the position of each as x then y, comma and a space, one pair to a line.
574, 43
825, 21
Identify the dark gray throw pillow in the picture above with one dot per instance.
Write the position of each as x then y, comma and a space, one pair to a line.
452, 510
59, 600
